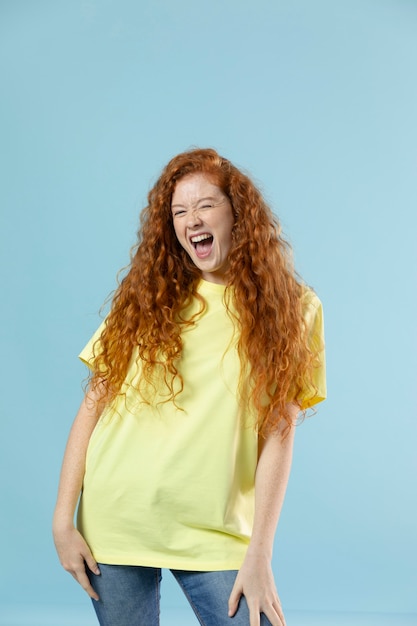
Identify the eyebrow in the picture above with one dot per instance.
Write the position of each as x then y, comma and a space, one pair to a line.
198, 201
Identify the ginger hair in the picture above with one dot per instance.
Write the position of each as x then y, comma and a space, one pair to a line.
161, 279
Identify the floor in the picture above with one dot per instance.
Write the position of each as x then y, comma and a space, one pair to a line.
71, 616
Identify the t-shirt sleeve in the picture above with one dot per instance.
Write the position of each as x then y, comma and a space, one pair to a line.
313, 316
90, 351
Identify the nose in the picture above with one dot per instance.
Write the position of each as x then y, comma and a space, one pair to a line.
193, 217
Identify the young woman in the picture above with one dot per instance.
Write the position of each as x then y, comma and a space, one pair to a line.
182, 447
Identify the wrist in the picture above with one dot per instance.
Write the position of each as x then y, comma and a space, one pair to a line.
259, 552
62, 522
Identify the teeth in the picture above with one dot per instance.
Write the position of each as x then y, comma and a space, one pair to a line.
199, 238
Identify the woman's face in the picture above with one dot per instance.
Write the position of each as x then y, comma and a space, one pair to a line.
203, 221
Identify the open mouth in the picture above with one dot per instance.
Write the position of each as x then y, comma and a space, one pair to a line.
202, 244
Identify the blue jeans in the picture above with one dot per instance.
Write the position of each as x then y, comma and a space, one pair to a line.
129, 596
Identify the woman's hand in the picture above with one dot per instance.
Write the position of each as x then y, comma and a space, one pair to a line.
73, 551
75, 555
255, 581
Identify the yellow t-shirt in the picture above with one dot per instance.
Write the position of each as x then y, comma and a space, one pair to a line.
173, 488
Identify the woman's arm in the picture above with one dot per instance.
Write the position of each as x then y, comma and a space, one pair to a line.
72, 550
255, 579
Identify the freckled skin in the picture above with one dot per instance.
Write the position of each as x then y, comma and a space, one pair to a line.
200, 207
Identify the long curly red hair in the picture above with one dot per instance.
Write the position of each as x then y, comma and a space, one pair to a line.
161, 279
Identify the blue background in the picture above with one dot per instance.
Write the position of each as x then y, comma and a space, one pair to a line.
318, 101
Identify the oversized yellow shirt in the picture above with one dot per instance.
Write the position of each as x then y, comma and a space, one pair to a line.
165, 487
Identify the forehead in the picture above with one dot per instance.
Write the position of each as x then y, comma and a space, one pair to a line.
193, 187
